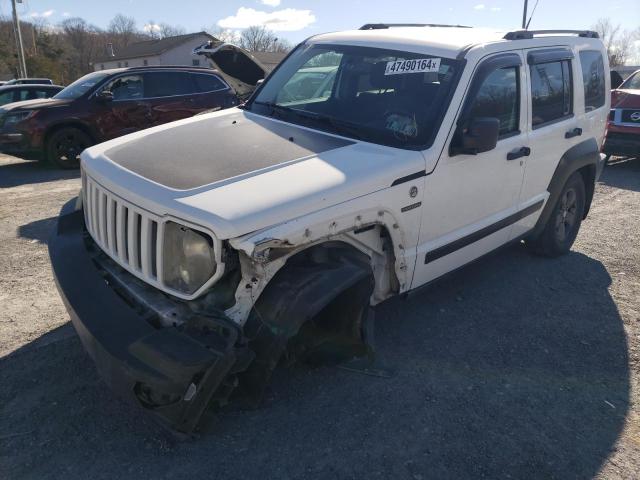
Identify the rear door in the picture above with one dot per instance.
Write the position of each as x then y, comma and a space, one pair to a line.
554, 122
471, 201
171, 95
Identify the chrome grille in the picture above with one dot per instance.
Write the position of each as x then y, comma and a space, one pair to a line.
129, 235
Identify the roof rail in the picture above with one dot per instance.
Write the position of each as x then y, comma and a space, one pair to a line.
382, 26
527, 34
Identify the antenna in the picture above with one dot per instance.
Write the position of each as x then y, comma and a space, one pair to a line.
532, 12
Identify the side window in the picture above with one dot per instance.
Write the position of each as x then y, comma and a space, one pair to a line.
167, 84
499, 97
6, 97
593, 79
32, 94
551, 91
128, 87
632, 83
208, 83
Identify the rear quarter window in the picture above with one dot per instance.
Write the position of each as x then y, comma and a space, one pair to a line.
593, 78
208, 83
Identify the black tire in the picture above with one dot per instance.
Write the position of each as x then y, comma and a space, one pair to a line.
64, 146
564, 223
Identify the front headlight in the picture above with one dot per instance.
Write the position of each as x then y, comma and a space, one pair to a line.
13, 118
188, 258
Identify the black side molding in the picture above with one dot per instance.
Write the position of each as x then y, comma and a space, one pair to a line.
480, 234
408, 178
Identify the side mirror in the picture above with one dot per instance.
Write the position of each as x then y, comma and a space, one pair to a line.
480, 135
105, 96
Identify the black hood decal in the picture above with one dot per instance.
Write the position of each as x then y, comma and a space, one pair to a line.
196, 154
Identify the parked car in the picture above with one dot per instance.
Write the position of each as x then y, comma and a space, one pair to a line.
623, 129
212, 246
107, 104
17, 93
30, 81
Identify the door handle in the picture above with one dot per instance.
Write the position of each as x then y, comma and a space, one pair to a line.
576, 132
519, 152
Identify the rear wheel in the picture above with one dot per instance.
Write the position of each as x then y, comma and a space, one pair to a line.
64, 147
562, 226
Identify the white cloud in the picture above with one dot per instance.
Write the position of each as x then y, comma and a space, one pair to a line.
151, 27
495, 9
288, 19
271, 3
45, 14
66, 14
480, 6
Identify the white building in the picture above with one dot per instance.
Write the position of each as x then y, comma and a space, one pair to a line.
176, 50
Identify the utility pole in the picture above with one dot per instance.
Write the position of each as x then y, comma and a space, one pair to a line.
524, 15
16, 29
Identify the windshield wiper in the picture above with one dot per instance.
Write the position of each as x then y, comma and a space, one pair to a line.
341, 127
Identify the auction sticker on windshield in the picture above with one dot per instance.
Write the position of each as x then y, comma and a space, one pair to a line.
415, 65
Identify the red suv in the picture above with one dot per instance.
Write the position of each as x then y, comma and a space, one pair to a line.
107, 104
623, 129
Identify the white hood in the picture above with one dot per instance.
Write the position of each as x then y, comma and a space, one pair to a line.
235, 172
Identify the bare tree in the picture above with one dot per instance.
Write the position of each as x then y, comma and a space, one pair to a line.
260, 39
224, 35
619, 43
85, 43
167, 30
123, 31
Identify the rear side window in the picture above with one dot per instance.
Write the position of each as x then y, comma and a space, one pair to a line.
208, 83
168, 84
499, 97
551, 92
593, 79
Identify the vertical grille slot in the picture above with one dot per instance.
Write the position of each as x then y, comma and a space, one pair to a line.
154, 249
111, 226
131, 236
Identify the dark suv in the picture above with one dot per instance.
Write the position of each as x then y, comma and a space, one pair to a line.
107, 104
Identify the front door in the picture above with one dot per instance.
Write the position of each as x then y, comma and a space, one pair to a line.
471, 201
127, 112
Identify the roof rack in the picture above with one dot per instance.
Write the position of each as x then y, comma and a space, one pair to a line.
527, 34
382, 26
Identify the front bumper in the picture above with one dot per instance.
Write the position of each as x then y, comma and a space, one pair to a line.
18, 143
622, 143
174, 373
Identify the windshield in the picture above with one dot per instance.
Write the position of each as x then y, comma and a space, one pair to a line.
81, 86
389, 97
631, 83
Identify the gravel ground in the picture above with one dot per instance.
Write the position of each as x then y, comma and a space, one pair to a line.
517, 367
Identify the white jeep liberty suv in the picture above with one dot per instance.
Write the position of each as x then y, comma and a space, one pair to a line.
369, 163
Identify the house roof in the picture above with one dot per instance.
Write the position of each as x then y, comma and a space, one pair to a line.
269, 59
152, 47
